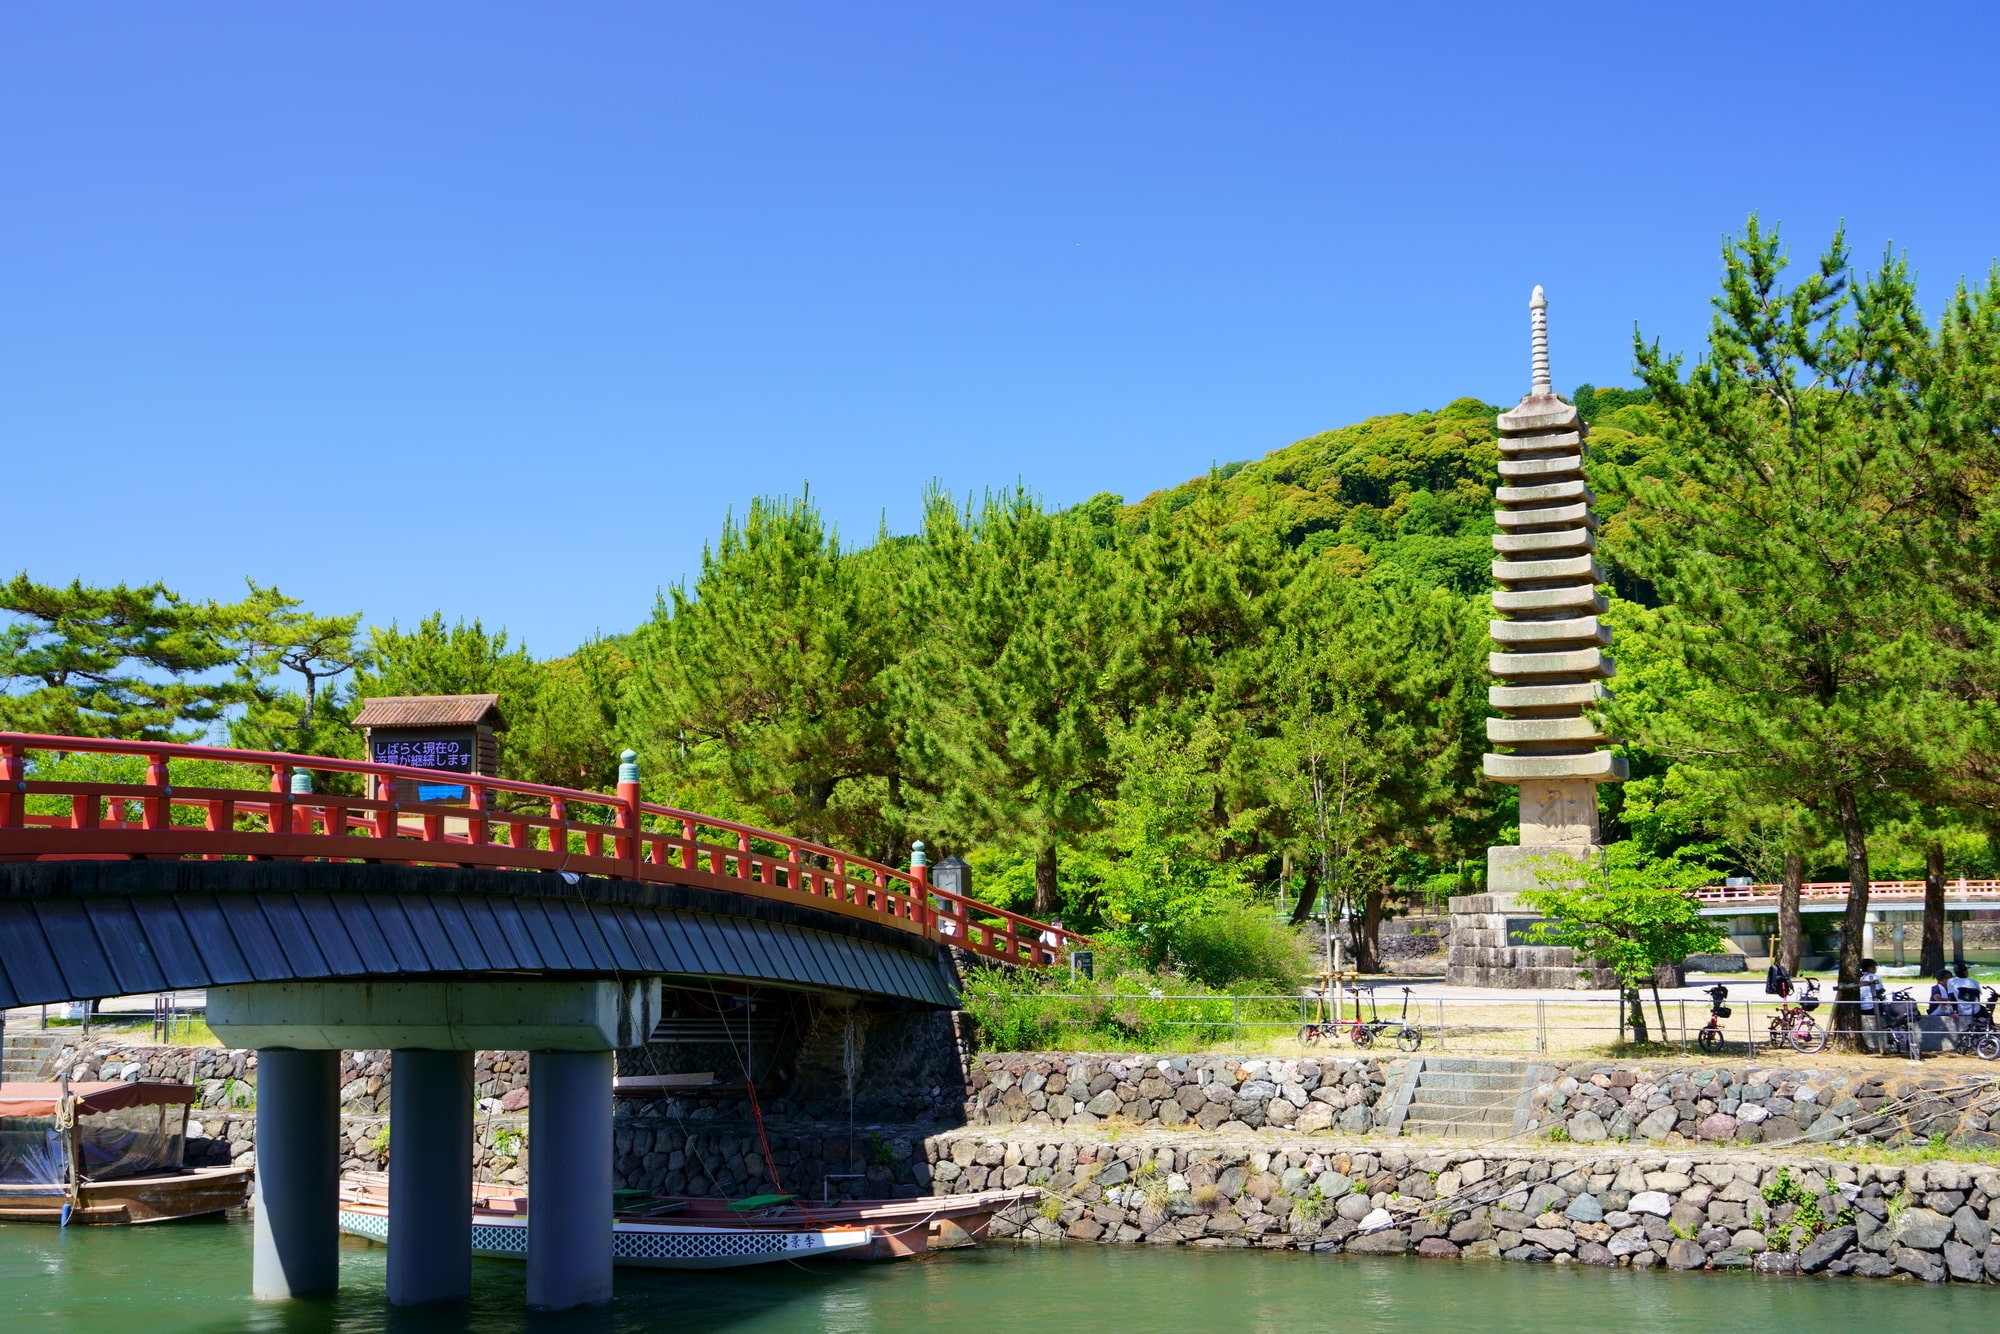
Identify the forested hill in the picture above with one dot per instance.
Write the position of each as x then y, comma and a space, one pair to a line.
1408, 493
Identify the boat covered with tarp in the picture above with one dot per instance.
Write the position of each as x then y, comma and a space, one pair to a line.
105, 1152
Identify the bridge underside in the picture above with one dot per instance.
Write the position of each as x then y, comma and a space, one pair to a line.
83, 930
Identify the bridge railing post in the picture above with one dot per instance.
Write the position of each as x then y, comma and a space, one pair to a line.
920, 883
13, 773
156, 812
628, 809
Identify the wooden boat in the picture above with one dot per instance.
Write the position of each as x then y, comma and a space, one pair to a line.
714, 1233
904, 1229
105, 1152
500, 1231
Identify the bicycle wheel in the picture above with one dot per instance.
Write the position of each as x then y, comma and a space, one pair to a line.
1362, 1035
1808, 1037
1308, 1035
1410, 1038
1709, 1039
1989, 1047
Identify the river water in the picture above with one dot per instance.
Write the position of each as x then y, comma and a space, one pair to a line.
178, 1278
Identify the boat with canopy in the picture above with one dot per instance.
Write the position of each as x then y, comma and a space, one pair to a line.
105, 1152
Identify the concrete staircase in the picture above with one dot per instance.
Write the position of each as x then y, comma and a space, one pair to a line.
24, 1055
1466, 1096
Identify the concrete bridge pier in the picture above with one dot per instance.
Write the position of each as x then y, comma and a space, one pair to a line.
430, 1178
571, 1026
295, 1243
569, 1179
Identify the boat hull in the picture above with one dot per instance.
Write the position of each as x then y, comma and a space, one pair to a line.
646, 1245
144, 1199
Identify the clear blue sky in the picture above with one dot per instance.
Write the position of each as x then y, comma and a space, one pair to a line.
499, 308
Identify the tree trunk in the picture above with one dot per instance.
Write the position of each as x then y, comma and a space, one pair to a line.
1369, 956
1638, 1005
1791, 930
1308, 895
1853, 923
1933, 955
1045, 883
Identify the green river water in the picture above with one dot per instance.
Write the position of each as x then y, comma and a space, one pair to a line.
195, 1276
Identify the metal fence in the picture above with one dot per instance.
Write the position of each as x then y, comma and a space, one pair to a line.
1378, 1019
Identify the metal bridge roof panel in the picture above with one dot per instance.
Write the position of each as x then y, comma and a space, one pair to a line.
481, 922
398, 934
366, 932
788, 955
769, 942
458, 929
667, 940
131, 955
79, 957
628, 923
295, 936
160, 919
696, 945
318, 917
255, 938
547, 943
828, 967
25, 958
731, 944
570, 950
584, 918
222, 957
610, 919
522, 941
430, 933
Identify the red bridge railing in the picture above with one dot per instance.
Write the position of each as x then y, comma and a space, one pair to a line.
499, 823
1886, 892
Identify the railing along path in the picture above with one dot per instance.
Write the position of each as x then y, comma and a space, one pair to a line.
500, 823
1889, 892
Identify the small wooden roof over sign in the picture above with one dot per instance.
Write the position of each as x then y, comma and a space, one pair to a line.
432, 711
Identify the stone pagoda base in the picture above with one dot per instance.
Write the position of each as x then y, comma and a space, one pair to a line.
1485, 951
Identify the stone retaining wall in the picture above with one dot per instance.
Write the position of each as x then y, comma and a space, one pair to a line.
1902, 1104
1226, 1093
1713, 1209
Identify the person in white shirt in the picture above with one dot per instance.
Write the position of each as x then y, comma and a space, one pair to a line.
1871, 996
1967, 992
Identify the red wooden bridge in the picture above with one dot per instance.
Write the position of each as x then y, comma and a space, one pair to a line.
499, 824
1831, 896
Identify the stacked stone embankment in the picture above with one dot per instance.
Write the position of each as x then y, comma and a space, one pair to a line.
1894, 1105
1542, 1204
1218, 1093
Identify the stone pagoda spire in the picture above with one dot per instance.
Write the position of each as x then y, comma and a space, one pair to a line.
1550, 666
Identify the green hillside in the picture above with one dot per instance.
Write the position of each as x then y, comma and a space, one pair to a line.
1411, 492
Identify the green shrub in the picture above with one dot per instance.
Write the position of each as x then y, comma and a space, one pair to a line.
1237, 944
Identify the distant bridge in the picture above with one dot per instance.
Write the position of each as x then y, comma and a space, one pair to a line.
1827, 896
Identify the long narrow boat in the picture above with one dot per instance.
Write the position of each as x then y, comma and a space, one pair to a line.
500, 1231
903, 1228
105, 1152
714, 1233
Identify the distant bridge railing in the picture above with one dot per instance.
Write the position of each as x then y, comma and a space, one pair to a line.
500, 823
1889, 893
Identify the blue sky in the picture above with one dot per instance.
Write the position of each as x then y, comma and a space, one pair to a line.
499, 308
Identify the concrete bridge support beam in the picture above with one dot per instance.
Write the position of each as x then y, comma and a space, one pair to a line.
296, 1237
569, 1179
430, 1178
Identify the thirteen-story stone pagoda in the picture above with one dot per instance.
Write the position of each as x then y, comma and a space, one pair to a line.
1550, 665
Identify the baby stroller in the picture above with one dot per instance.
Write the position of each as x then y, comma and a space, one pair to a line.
1900, 1035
